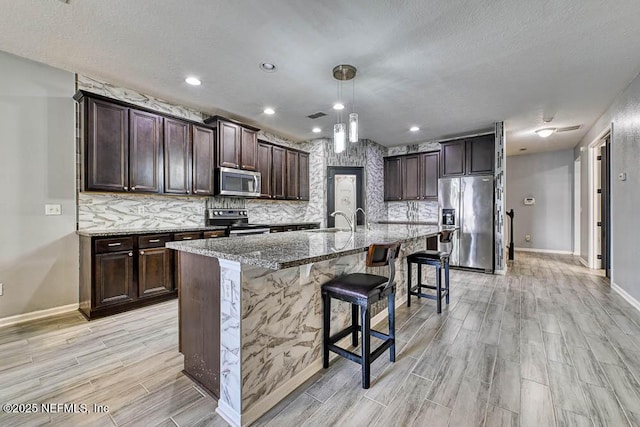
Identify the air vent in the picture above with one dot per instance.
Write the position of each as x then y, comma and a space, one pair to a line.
569, 128
317, 115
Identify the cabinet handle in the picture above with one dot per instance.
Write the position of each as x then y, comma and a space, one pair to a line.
111, 245
141, 252
154, 240
187, 238
133, 188
130, 253
187, 192
125, 188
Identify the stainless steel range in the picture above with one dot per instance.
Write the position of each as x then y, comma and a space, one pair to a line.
236, 221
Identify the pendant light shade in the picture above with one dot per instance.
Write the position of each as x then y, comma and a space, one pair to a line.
353, 127
339, 137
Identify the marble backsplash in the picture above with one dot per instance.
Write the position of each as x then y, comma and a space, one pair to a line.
413, 211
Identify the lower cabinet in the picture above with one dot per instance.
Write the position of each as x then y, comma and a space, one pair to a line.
155, 272
114, 282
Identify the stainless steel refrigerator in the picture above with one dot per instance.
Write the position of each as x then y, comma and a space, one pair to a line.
467, 202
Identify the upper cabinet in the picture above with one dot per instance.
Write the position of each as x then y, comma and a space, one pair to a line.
248, 149
265, 168
469, 156
284, 172
278, 172
393, 178
303, 176
412, 176
429, 173
292, 187
237, 144
203, 163
145, 133
177, 153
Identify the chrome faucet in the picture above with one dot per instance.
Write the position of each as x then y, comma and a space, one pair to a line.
351, 222
355, 218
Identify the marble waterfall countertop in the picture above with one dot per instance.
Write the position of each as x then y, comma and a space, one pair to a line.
283, 250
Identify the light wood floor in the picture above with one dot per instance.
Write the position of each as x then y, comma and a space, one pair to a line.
549, 344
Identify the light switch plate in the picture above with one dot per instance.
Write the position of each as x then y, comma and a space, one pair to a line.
622, 176
1, 290
53, 209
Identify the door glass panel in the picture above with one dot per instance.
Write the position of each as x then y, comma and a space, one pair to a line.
345, 198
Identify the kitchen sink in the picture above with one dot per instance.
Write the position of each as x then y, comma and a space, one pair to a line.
330, 230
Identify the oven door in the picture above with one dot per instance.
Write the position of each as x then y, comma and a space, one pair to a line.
235, 182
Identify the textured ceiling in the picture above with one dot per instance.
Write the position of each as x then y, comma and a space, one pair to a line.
451, 67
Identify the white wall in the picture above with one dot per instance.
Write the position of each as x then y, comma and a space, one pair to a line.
624, 114
549, 178
38, 253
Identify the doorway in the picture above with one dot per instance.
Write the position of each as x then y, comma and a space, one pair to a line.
577, 210
344, 193
601, 204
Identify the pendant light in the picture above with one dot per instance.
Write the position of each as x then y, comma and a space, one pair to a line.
344, 73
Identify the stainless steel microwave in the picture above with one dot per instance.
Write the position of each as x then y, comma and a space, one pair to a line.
236, 182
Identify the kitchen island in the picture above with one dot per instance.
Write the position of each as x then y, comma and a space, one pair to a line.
251, 309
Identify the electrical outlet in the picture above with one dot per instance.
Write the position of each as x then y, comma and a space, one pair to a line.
141, 210
527, 237
53, 209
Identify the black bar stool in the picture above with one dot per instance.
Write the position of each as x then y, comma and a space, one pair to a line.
362, 290
438, 259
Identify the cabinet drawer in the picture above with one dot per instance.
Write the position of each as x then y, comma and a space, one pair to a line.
153, 241
188, 236
303, 227
214, 234
277, 229
116, 244
290, 228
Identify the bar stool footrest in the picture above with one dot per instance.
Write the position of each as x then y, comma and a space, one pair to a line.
343, 333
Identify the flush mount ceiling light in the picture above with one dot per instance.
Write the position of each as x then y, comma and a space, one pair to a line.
193, 81
344, 73
546, 132
269, 111
316, 130
268, 67
414, 128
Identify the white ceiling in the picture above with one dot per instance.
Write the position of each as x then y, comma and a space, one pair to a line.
449, 66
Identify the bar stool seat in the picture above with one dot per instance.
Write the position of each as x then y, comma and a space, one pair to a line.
362, 290
437, 259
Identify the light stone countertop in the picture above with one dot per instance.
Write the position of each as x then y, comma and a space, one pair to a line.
123, 232
284, 250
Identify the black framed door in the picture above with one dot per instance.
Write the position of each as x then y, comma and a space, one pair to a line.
344, 189
605, 208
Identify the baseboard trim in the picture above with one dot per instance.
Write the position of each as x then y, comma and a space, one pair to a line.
631, 300
544, 251
34, 315
269, 401
576, 254
500, 272
583, 262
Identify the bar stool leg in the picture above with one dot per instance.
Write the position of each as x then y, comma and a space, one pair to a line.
326, 299
391, 302
446, 280
354, 325
438, 289
366, 346
408, 283
419, 280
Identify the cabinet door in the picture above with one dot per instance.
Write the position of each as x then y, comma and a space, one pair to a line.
264, 167
203, 160
249, 150
480, 154
228, 145
392, 178
144, 151
429, 174
453, 158
177, 150
154, 272
411, 177
303, 176
279, 172
293, 188
114, 278
107, 147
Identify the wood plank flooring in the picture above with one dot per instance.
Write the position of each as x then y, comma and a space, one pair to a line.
548, 344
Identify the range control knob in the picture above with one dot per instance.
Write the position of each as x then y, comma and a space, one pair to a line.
216, 213
244, 213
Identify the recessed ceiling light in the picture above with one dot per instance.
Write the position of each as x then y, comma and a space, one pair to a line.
268, 67
193, 81
414, 128
543, 133
316, 130
269, 111
338, 106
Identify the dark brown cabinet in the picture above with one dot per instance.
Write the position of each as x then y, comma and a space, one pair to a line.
411, 177
470, 156
292, 187
114, 278
429, 175
177, 155
203, 160
279, 172
303, 176
248, 149
106, 146
228, 145
392, 178
155, 272
144, 151
264, 167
